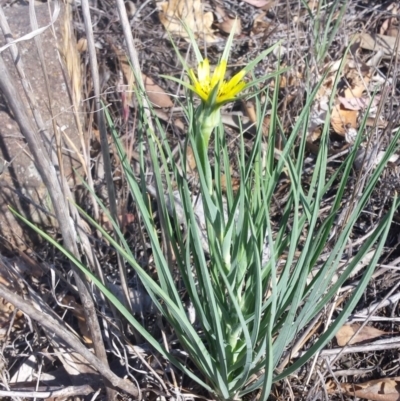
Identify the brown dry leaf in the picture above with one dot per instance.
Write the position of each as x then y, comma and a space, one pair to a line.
342, 118
358, 83
190, 12
283, 82
354, 103
291, 79
234, 181
393, 32
6, 308
95, 140
227, 23
156, 94
385, 26
388, 23
130, 8
320, 106
331, 386
81, 45
375, 390
385, 43
4, 280
313, 5
345, 335
6, 311
123, 220
265, 128
371, 122
250, 111
259, 3
177, 122
190, 160
260, 25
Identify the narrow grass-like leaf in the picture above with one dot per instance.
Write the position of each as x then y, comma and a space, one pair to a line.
113, 299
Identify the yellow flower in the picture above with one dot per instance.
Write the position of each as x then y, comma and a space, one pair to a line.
204, 84
214, 91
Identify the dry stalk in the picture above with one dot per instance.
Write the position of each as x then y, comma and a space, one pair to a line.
49, 176
58, 328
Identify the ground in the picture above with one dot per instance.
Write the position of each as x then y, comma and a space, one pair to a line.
355, 42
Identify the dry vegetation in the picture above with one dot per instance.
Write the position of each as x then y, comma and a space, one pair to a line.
364, 356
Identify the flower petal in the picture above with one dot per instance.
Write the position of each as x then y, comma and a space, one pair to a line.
214, 89
228, 93
197, 86
204, 71
192, 76
236, 78
230, 89
219, 74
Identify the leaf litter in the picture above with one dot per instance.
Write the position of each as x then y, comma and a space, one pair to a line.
262, 24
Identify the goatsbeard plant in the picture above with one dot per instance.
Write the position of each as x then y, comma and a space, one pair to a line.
253, 288
214, 91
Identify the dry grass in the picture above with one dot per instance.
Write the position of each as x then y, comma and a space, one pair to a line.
46, 281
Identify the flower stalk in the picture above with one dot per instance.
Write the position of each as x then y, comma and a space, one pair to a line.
214, 92
206, 122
